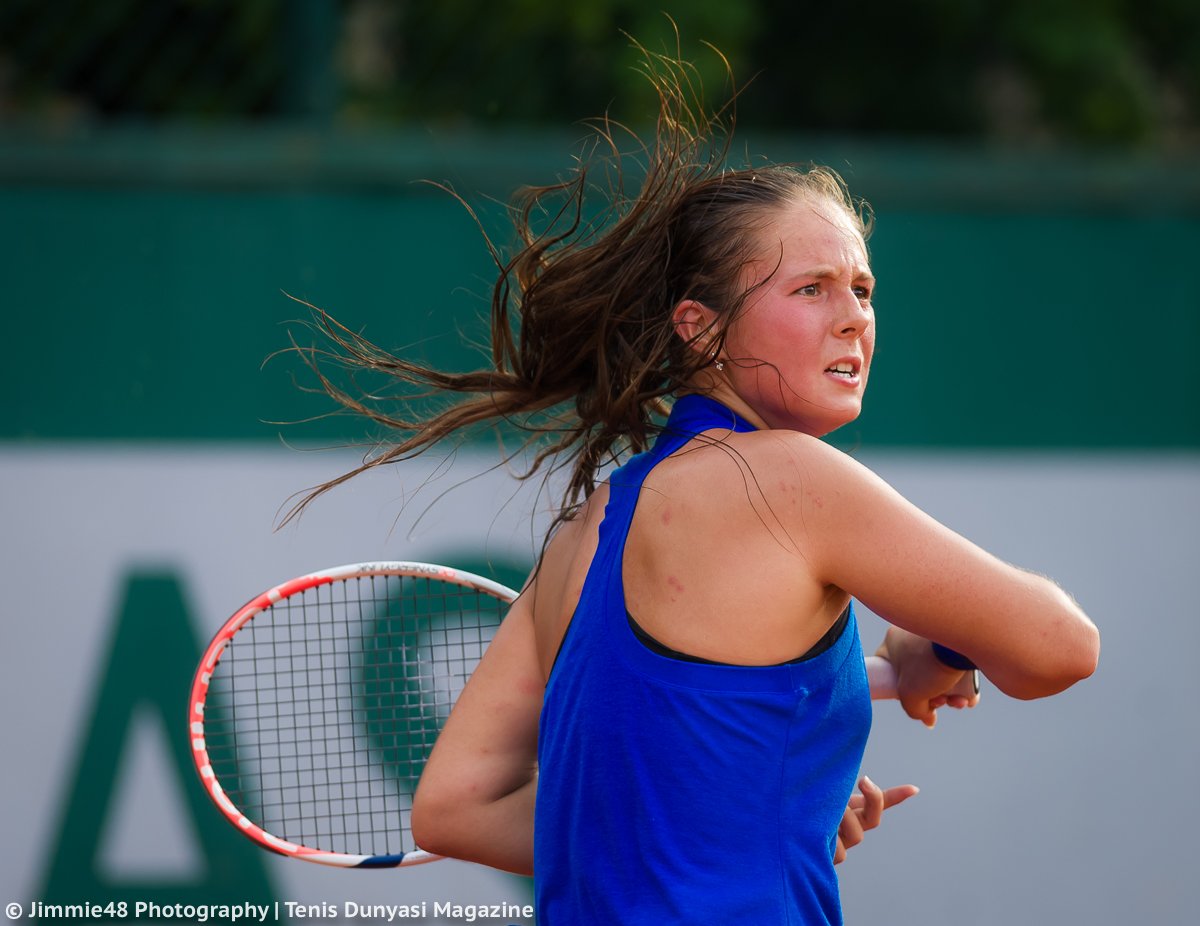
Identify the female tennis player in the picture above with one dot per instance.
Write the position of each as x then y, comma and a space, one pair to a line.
669, 723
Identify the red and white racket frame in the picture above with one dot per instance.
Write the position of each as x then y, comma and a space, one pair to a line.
212, 655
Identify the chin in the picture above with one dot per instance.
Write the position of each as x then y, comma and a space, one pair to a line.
811, 418
831, 424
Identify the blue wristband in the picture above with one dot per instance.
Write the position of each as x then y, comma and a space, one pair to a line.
950, 658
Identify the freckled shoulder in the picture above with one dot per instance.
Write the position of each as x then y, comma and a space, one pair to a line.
776, 465
729, 518
562, 572
802, 465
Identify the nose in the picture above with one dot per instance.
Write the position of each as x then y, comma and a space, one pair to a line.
854, 316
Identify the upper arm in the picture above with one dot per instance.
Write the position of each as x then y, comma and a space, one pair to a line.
488, 748
862, 536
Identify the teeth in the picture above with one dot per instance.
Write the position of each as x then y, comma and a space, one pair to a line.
842, 368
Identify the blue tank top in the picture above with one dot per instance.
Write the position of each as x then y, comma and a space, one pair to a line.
673, 792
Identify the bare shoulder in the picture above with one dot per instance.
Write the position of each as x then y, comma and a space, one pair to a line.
821, 492
860, 535
561, 573
573, 535
794, 474
788, 454
796, 455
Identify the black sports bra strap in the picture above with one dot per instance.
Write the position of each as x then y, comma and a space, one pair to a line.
830, 637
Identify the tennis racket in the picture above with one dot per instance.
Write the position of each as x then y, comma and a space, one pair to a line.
316, 705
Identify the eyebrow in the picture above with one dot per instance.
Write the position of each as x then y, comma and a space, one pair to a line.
824, 273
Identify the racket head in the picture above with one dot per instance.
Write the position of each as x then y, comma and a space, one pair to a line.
313, 709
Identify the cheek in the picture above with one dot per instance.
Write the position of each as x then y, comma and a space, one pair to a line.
750, 337
769, 330
802, 339
776, 336
868, 349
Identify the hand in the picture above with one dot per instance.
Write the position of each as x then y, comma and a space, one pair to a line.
864, 812
924, 683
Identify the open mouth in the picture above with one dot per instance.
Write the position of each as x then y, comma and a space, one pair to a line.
843, 369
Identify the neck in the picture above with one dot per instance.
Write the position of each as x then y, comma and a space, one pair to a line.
717, 388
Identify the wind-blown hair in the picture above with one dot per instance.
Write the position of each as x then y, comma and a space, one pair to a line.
584, 352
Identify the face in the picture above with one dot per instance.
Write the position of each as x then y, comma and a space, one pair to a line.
798, 355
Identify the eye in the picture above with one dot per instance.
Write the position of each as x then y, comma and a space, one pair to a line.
812, 289
863, 293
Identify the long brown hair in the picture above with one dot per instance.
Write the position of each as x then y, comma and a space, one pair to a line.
583, 349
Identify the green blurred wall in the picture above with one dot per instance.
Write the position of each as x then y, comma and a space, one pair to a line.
1023, 301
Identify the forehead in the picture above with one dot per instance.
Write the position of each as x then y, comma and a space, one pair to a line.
810, 230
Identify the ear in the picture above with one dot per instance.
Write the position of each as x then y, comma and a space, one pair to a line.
696, 324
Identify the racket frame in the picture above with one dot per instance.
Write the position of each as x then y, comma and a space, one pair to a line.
212, 656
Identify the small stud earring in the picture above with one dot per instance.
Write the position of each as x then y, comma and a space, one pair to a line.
720, 365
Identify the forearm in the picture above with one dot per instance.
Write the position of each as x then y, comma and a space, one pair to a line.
1054, 646
476, 795
498, 833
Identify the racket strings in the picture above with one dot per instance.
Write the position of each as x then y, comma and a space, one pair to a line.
323, 708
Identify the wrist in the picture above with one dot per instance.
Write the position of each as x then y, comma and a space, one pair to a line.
952, 659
